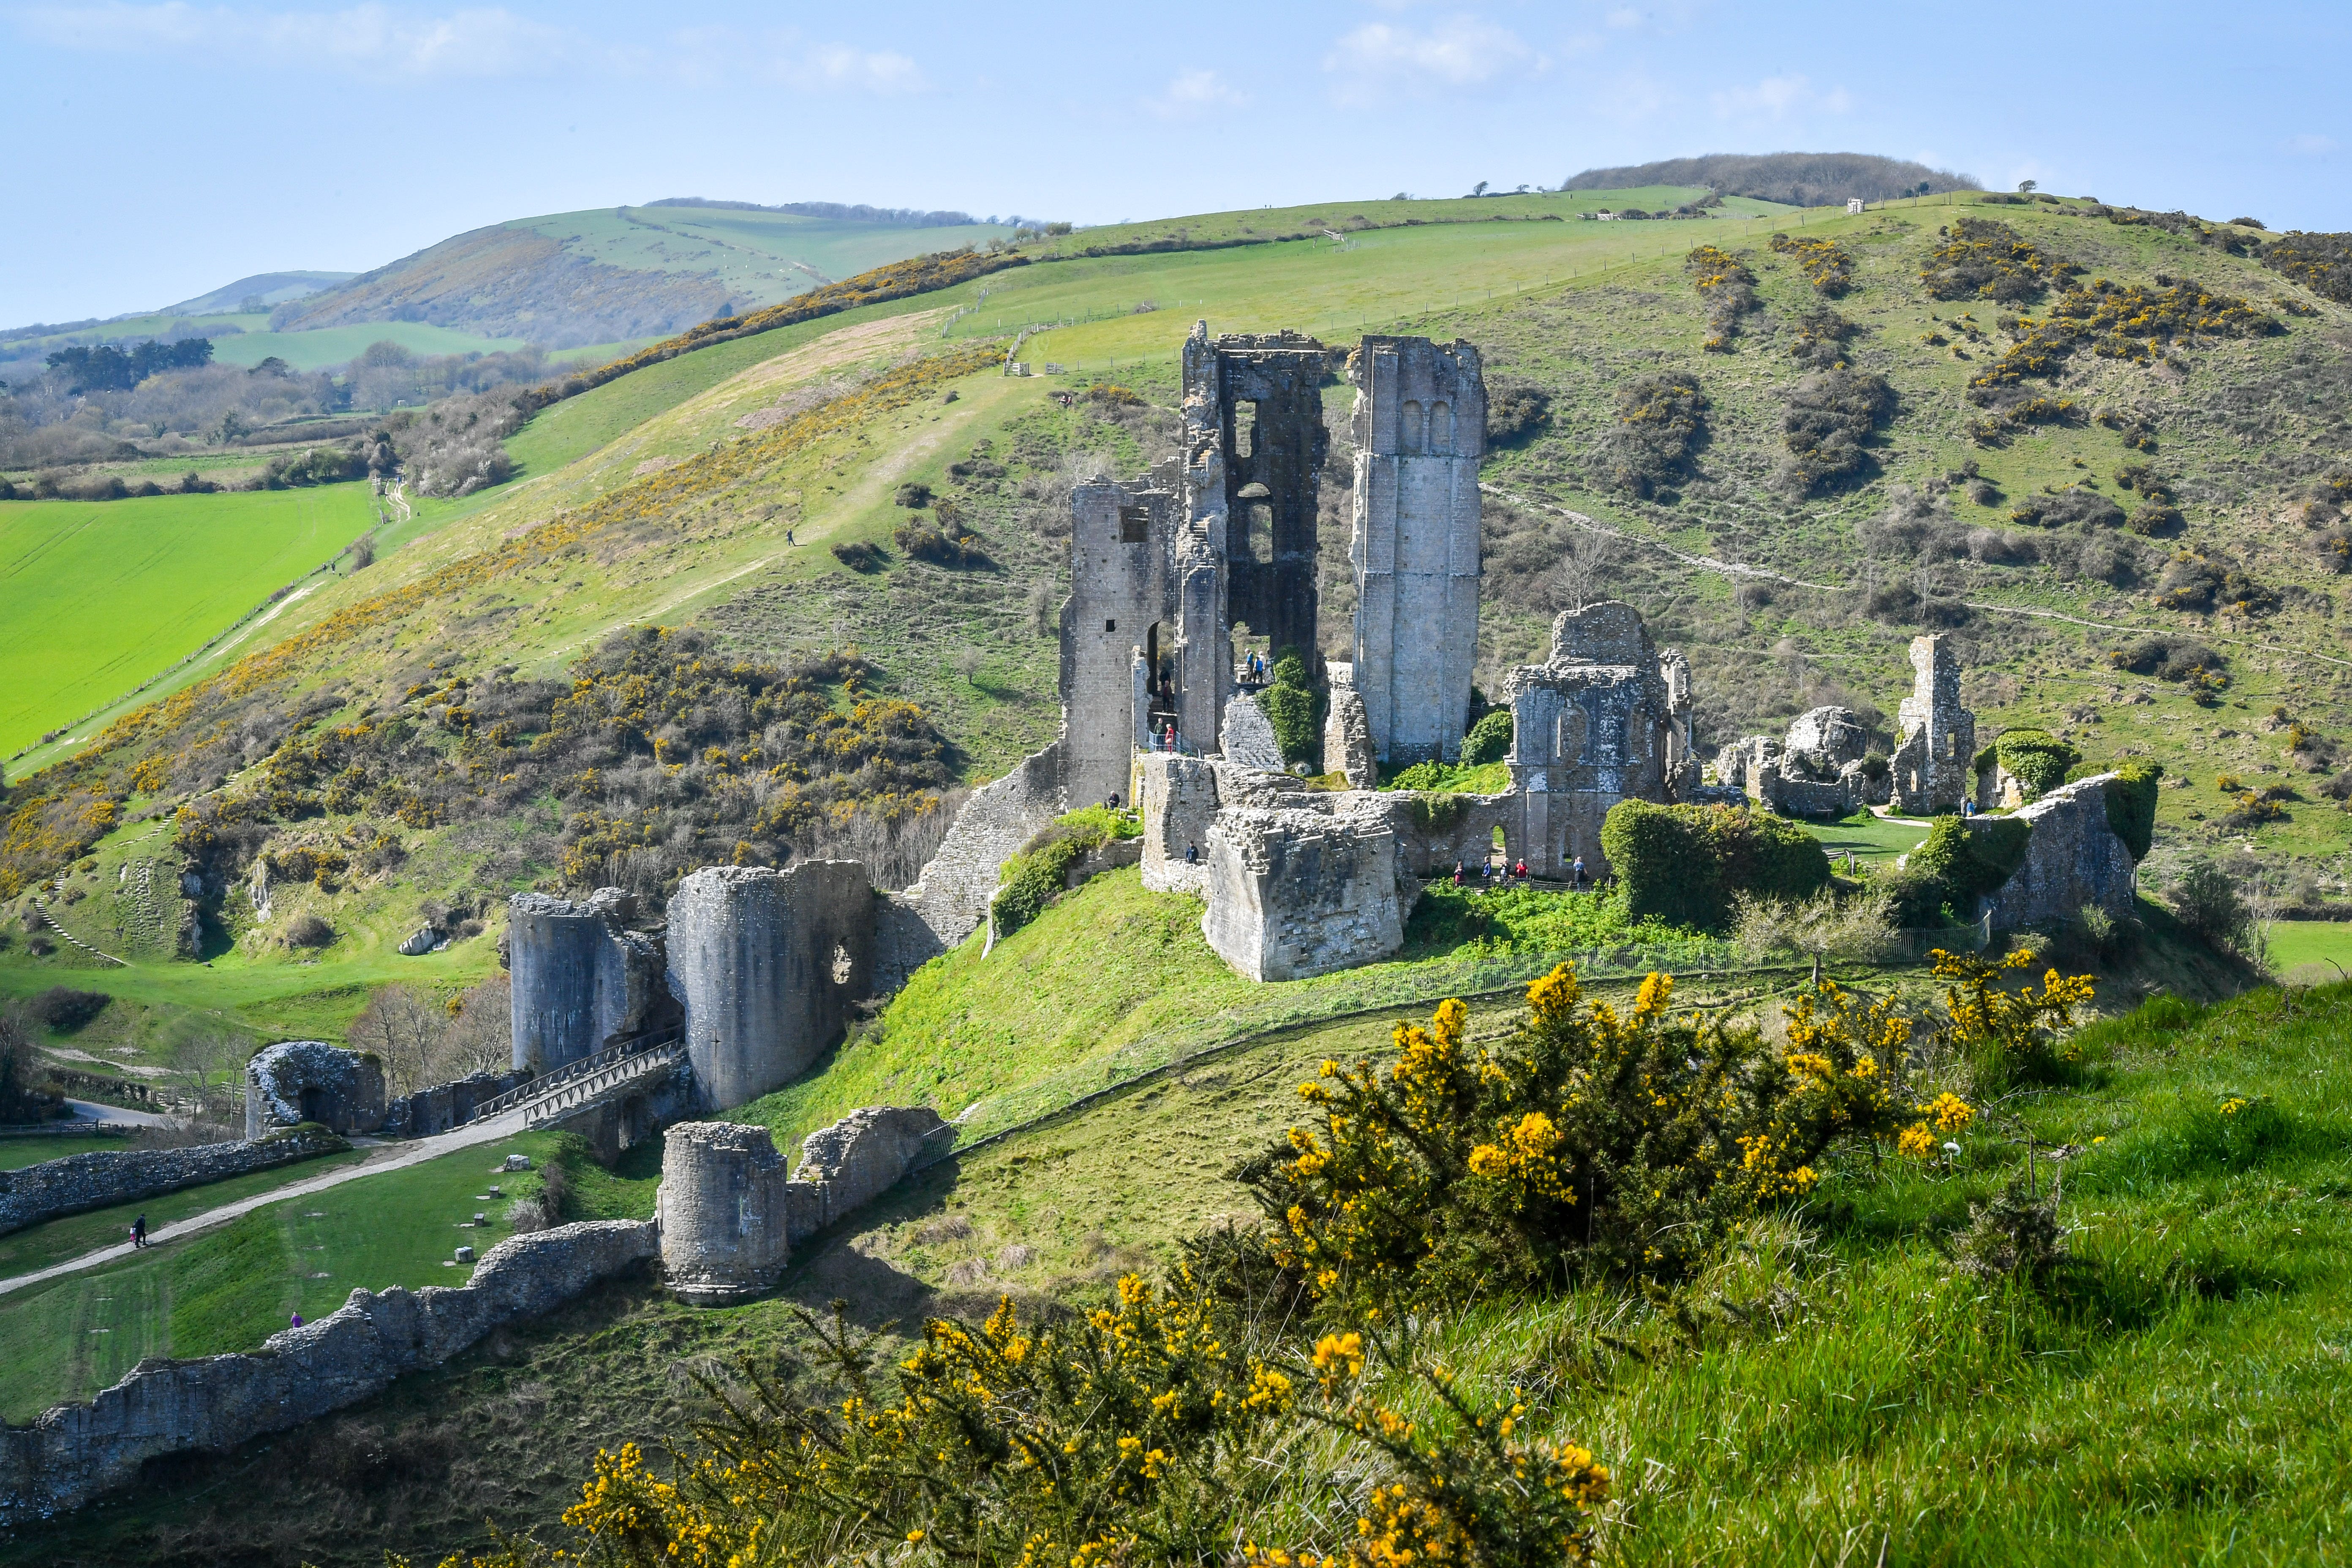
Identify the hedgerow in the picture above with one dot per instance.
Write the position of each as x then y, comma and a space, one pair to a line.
1827, 265
1684, 865
1961, 862
893, 280
2037, 759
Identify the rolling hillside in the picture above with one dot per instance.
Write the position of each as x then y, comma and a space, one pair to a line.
710, 489
618, 273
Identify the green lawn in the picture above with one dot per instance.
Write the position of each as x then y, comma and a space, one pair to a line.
230, 1288
2321, 945
96, 597
1869, 838
16, 1153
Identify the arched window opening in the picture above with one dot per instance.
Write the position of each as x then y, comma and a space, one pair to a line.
1441, 427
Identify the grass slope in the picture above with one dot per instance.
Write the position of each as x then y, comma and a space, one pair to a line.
2178, 1394
94, 598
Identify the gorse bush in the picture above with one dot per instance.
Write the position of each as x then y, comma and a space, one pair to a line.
2122, 321
2320, 262
2010, 1038
1143, 1432
1728, 286
1831, 415
2175, 659
1827, 265
1819, 338
1661, 423
1981, 260
1589, 1145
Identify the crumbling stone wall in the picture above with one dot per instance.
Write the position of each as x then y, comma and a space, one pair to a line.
950, 900
297, 1081
1597, 723
582, 978
1265, 395
103, 1178
728, 1218
1178, 799
1348, 748
2073, 858
75, 1452
1246, 738
765, 964
1419, 432
1296, 892
1933, 763
436, 1110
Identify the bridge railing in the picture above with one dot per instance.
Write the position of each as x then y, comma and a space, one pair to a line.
573, 1071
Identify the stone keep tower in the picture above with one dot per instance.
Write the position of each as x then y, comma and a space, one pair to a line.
1936, 762
1419, 430
1118, 641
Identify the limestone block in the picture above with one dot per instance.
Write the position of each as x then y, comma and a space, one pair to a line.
419, 943
1246, 737
1611, 632
1295, 892
859, 1157
1347, 738
1832, 737
2073, 858
296, 1081
722, 1207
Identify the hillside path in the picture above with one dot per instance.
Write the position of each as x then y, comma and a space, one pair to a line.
396, 1156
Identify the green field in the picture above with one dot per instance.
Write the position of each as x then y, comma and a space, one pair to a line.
2322, 946
96, 597
16, 1153
231, 1288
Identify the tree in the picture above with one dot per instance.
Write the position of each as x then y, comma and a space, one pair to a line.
2027, 187
1856, 930
1479, 189
207, 1066
1582, 563
401, 1024
482, 1030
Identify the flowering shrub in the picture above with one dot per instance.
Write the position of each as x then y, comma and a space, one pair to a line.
1980, 260
2009, 1038
1827, 265
1831, 415
1142, 1432
2127, 321
1724, 281
1661, 422
1587, 1143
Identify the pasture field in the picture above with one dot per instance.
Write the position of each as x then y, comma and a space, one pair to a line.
96, 597
231, 1288
2316, 948
16, 1153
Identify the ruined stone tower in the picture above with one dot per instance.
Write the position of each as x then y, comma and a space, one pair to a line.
582, 978
1120, 641
1935, 762
1419, 430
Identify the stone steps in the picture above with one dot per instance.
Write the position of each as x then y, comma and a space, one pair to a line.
581, 1092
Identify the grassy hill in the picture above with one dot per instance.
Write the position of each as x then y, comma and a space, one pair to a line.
610, 274
1799, 179
710, 489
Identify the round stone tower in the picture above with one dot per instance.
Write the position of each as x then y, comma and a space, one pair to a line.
722, 1210
730, 957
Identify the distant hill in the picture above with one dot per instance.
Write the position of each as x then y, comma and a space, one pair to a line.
1799, 179
618, 273
269, 288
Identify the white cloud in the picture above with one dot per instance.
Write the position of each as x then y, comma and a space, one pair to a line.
2311, 145
1778, 98
859, 71
1460, 51
1195, 93
486, 41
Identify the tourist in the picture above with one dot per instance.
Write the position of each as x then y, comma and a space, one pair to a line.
1575, 874
296, 1320
1520, 870
1457, 873
1192, 854
139, 1232
1170, 738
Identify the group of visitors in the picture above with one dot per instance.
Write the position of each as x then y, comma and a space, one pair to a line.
1498, 876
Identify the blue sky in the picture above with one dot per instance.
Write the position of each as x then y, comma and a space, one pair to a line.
156, 151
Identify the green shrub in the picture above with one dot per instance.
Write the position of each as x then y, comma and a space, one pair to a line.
1295, 709
2131, 804
1489, 740
1831, 415
1033, 878
1661, 422
1684, 865
2035, 758
1961, 862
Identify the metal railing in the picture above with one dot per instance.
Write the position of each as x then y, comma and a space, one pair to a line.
570, 1072
563, 1099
